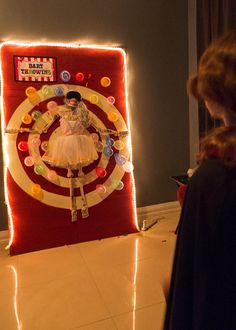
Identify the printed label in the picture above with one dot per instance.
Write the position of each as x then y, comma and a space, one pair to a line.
35, 68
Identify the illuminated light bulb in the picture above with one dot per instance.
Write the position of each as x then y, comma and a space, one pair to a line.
119, 145
52, 175
44, 145
117, 184
95, 137
23, 146
112, 116
120, 185
111, 99
45, 90
36, 114
26, 119
93, 99
128, 167
36, 189
59, 91
51, 105
100, 188
29, 161
38, 169
35, 142
105, 81
101, 172
99, 146
109, 141
65, 75
30, 91
108, 151
34, 98
120, 159
79, 76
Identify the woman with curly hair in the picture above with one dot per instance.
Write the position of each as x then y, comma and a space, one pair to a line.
202, 292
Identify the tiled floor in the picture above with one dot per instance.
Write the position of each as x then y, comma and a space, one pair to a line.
115, 283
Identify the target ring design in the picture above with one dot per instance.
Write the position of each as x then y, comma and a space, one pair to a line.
56, 200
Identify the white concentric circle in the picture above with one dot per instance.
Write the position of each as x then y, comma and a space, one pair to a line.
18, 171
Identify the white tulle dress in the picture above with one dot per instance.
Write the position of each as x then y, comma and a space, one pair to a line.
73, 146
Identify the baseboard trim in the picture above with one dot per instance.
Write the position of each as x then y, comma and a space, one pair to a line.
158, 209
147, 215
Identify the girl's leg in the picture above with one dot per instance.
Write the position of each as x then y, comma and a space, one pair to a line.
72, 195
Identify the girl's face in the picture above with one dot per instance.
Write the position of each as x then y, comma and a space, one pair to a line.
72, 102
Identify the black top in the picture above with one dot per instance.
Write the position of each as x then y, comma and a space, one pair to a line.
203, 286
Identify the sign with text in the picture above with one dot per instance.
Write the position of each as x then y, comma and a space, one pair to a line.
35, 68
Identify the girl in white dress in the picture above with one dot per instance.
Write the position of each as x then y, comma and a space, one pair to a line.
73, 148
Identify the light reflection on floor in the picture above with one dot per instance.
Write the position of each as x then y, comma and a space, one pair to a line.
115, 283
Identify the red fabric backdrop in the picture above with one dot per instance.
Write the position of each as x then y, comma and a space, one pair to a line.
37, 225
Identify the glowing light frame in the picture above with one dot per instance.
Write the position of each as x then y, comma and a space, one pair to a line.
5, 140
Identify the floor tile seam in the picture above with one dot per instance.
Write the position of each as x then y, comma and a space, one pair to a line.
133, 263
94, 322
140, 258
20, 313
75, 271
99, 267
95, 283
20, 286
47, 282
104, 301
140, 308
115, 266
131, 309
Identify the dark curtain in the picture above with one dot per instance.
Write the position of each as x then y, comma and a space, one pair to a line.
214, 17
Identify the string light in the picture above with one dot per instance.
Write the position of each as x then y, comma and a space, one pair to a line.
5, 166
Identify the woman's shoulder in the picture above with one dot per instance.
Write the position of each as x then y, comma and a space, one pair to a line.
211, 165
211, 173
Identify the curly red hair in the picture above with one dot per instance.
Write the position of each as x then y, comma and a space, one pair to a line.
216, 80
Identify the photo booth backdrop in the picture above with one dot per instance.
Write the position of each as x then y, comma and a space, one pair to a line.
40, 207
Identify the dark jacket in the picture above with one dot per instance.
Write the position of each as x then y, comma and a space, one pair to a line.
203, 286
